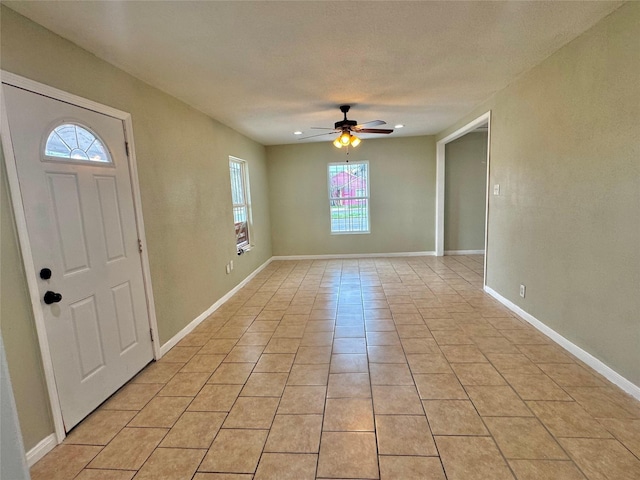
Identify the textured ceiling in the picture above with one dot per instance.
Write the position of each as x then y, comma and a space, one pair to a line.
269, 68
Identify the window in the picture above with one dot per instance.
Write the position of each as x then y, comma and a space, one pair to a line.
349, 197
240, 199
75, 142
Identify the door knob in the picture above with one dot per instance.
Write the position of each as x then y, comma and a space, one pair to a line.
52, 297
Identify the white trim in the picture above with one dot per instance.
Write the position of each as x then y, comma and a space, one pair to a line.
41, 449
486, 204
440, 151
368, 232
142, 236
440, 179
572, 348
204, 315
41, 88
464, 252
23, 235
352, 255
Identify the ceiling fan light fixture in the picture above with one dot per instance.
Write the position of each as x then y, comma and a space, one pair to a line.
345, 129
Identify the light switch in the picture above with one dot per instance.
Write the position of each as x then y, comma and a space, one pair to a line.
496, 189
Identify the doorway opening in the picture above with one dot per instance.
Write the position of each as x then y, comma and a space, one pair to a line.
481, 126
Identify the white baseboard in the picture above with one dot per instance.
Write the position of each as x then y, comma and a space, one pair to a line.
331, 256
41, 449
200, 318
464, 252
572, 348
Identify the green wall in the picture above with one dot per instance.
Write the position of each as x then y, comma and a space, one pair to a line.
402, 197
565, 150
465, 192
182, 158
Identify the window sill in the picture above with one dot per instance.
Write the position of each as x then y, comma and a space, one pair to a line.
244, 249
350, 233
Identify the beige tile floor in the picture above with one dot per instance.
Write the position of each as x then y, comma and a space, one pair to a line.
390, 368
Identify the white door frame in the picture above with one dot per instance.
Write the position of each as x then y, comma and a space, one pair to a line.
440, 167
23, 234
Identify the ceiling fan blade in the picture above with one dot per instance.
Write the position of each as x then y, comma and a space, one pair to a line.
375, 130
321, 128
372, 123
318, 135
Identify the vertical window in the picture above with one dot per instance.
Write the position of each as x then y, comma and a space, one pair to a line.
349, 197
240, 199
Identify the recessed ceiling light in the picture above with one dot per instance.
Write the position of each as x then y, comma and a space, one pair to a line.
297, 133
399, 126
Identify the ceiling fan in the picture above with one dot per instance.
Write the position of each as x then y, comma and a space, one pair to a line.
346, 128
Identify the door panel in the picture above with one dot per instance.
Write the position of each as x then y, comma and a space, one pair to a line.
65, 200
87, 336
111, 219
124, 313
81, 224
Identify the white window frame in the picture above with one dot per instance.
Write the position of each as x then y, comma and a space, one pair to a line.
367, 197
245, 190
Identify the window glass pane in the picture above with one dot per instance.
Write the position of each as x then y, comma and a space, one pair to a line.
237, 193
239, 214
85, 138
56, 147
348, 181
350, 217
97, 153
68, 135
78, 154
73, 142
348, 197
242, 234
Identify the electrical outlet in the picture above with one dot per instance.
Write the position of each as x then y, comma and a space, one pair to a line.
496, 189
231, 264
228, 268
523, 291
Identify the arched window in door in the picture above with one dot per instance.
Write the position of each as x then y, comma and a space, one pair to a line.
71, 141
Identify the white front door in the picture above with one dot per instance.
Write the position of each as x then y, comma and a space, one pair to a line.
76, 190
